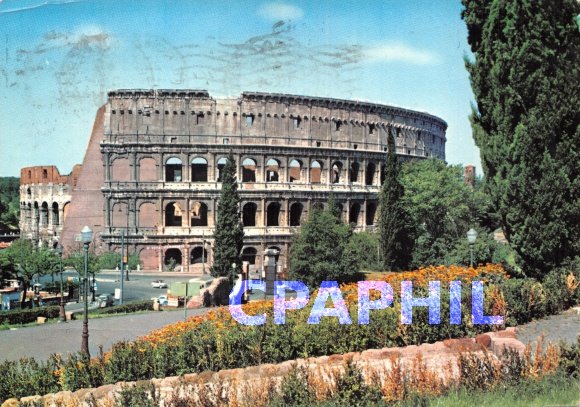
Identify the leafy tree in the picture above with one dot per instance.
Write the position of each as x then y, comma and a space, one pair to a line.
229, 232
9, 203
364, 246
441, 208
393, 230
525, 78
321, 251
21, 260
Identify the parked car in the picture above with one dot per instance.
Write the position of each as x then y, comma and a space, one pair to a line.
105, 300
162, 299
158, 284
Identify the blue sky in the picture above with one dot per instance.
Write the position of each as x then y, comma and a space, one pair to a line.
58, 58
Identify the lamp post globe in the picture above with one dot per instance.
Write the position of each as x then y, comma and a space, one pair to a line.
86, 238
471, 238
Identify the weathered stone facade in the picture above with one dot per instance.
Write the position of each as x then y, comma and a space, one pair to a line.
44, 202
151, 171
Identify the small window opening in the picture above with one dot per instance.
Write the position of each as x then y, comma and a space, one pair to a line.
318, 144
44, 174
296, 121
338, 125
249, 120
226, 140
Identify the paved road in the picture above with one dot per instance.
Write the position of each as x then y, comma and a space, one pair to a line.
42, 341
555, 328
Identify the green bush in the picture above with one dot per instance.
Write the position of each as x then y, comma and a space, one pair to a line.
25, 316
526, 300
145, 305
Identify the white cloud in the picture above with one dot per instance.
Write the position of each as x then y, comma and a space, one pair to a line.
398, 52
280, 11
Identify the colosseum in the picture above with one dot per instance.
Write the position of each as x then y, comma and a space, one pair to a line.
151, 172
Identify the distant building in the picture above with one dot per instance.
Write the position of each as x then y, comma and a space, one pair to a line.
469, 175
151, 172
44, 201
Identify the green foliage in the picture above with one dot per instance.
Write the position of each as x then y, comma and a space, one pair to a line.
27, 377
294, 389
364, 246
351, 389
442, 208
145, 305
9, 204
393, 228
25, 316
111, 260
229, 232
140, 395
525, 77
485, 250
321, 251
23, 261
76, 260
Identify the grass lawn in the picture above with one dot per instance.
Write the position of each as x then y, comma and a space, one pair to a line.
555, 390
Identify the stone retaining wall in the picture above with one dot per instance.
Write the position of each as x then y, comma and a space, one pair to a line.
440, 358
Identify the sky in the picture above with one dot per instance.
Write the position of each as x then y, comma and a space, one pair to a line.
59, 58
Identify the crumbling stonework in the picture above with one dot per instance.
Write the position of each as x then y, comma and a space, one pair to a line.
151, 173
45, 197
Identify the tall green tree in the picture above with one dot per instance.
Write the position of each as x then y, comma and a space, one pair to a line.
525, 77
229, 232
321, 250
23, 261
9, 204
393, 230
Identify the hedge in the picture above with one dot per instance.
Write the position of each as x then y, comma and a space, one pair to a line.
145, 305
25, 316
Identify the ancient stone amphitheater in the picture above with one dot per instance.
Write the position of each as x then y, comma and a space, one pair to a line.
151, 173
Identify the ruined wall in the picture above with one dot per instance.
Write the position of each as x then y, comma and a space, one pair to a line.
44, 202
163, 150
86, 206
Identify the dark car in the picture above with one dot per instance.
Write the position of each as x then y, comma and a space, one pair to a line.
105, 300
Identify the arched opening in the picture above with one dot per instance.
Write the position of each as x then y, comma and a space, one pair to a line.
318, 206
340, 210
273, 214
55, 214
147, 215
120, 169
44, 214
120, 215
36, 214
370, 175
354, 213
28, 192
370, 213
315, 172
335, 175
65, 209
382, 174
294, 170
173, 214
353, 173
249, 254
172, 257
198, 214
221, 163
249, 214
296, 213
173, 172
148, 169
198, 255
199, 169
272, 170
249, 170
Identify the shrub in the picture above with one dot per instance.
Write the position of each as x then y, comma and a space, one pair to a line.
25, 316
145, 305
526, 300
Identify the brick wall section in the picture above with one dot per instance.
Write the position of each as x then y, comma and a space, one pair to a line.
436, 357
46, 174
87, 202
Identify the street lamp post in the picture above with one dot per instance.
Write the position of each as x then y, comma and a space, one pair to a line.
62, 313
471, 237
86, 237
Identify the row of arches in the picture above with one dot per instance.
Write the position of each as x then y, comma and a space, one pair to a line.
311, 172
200, 255
43, 214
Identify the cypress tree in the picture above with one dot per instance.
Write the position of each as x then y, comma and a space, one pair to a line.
392, 216
229, 232
525, 78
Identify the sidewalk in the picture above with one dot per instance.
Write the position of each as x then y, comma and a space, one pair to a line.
42, 341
